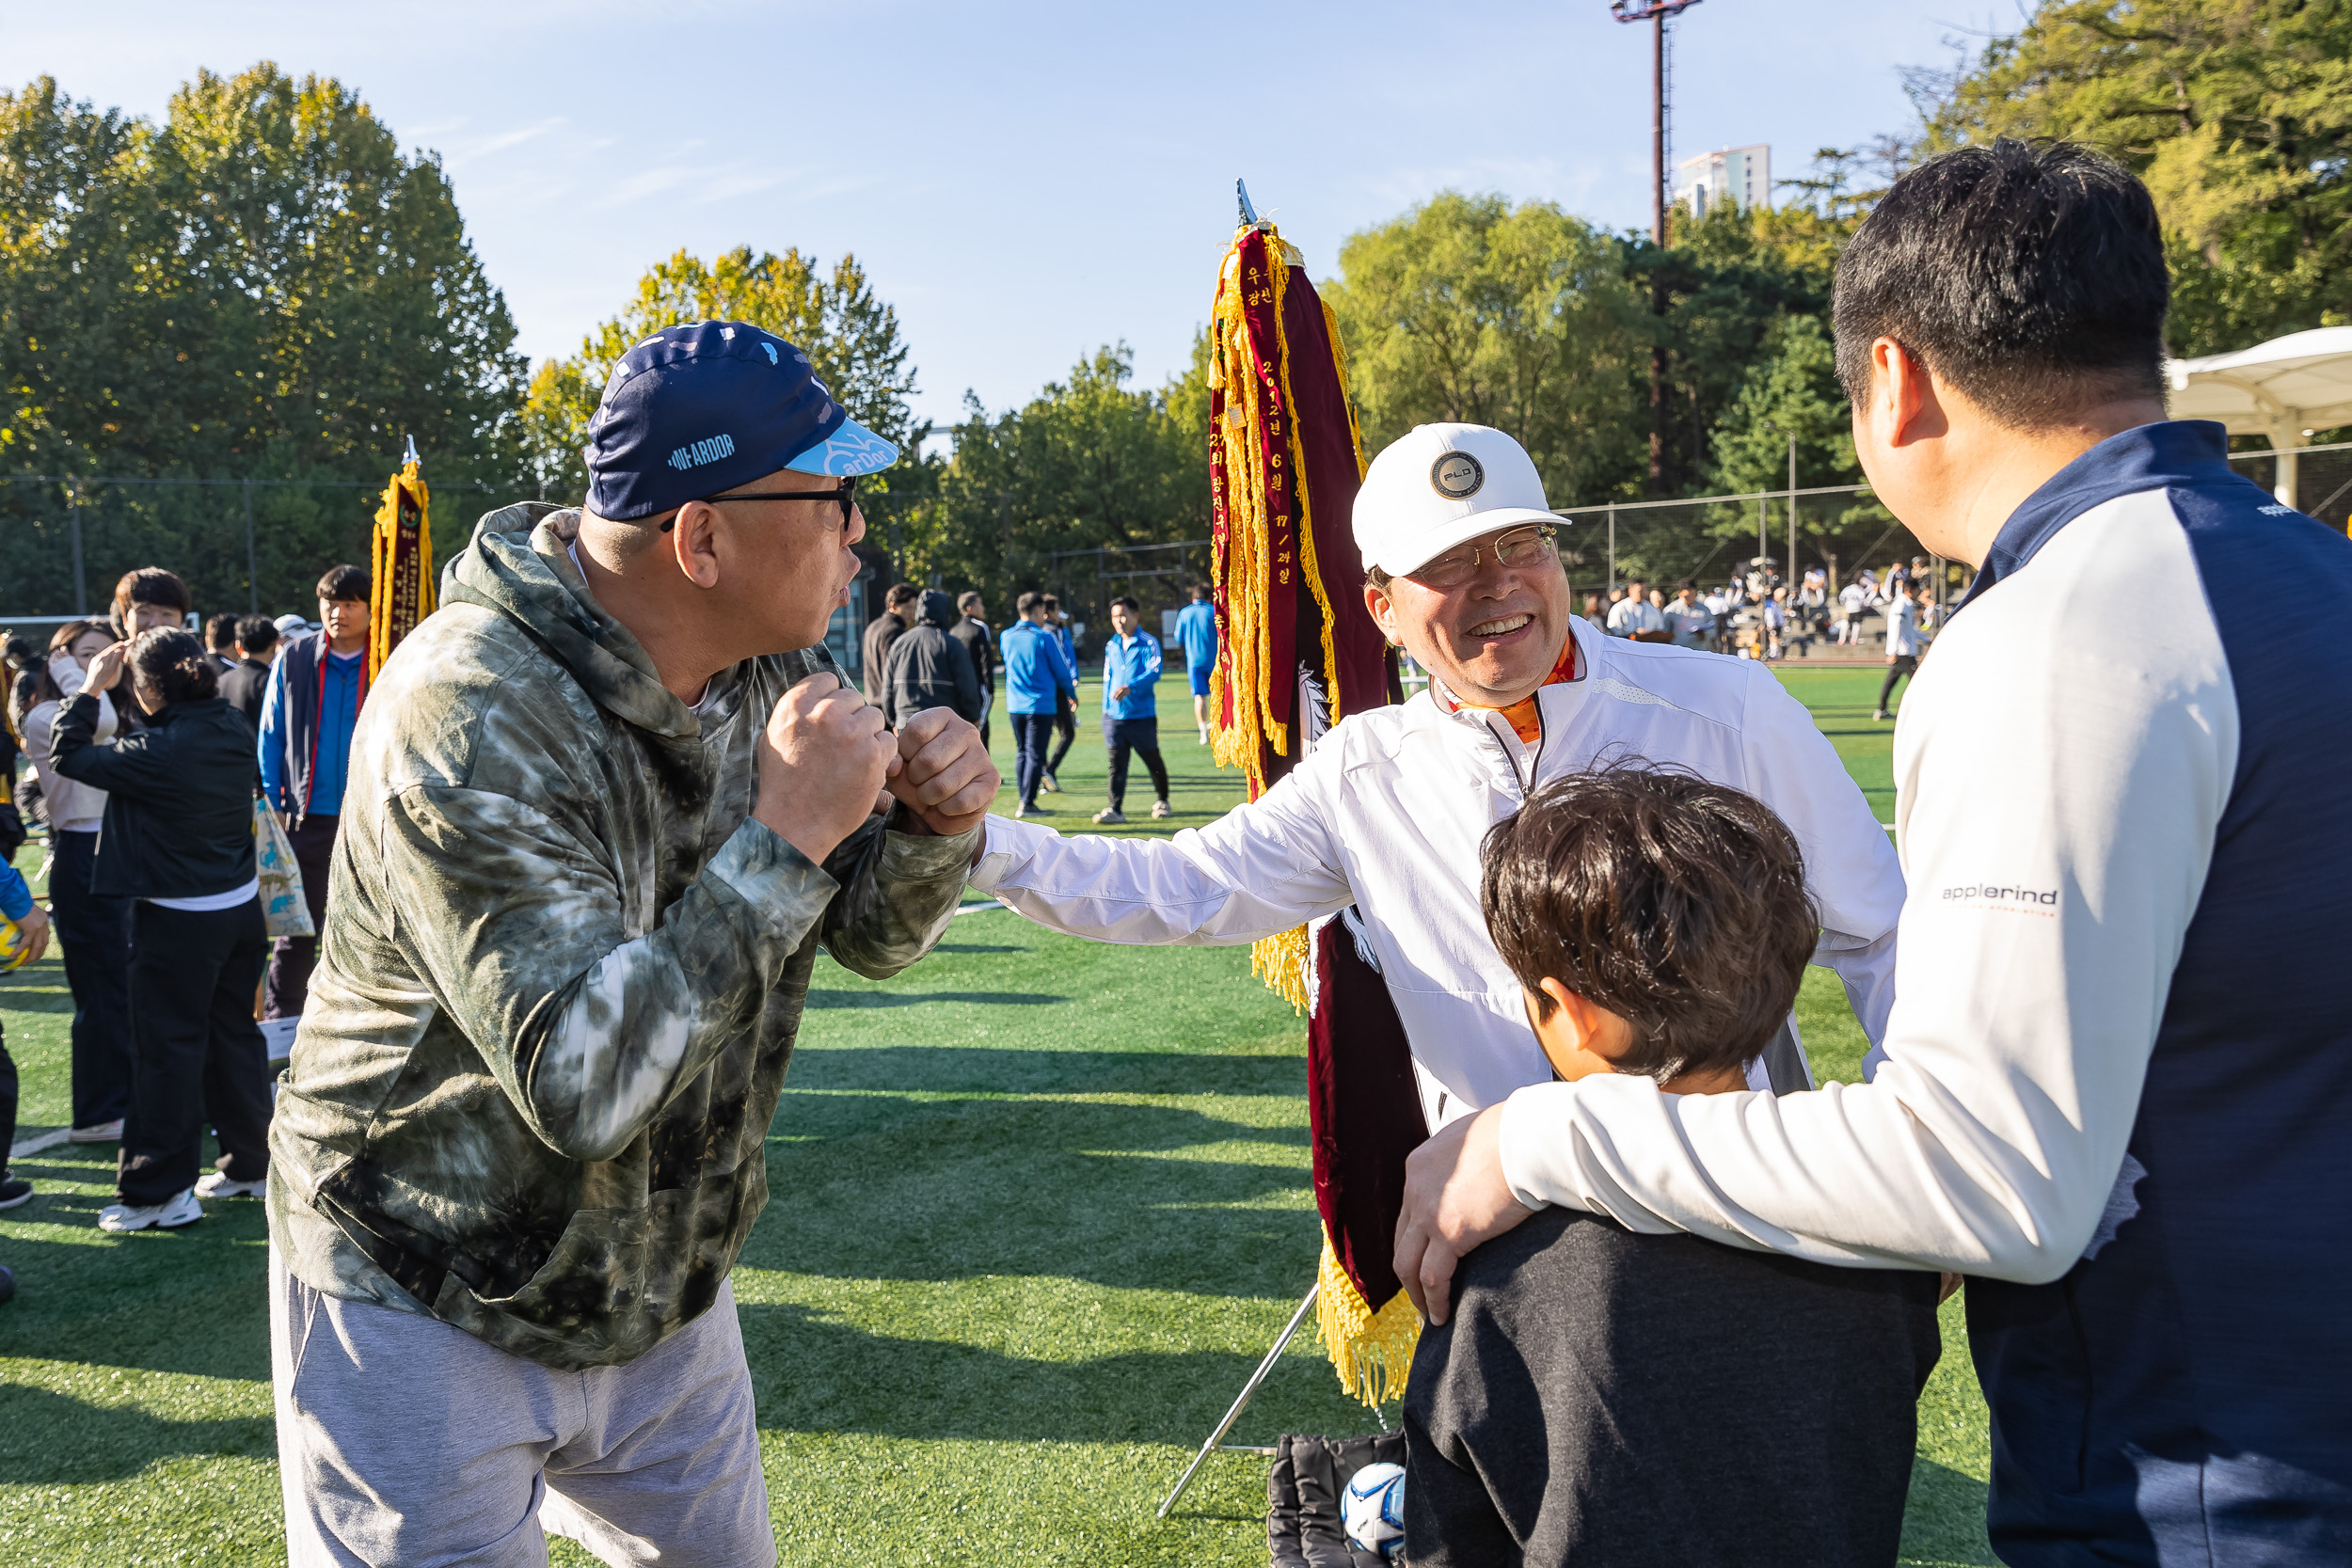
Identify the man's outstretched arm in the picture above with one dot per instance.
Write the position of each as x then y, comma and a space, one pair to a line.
1258, 869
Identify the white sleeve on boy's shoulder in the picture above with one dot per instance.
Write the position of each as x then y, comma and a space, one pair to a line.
2058, 799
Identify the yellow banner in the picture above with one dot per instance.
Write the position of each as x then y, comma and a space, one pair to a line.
402, 566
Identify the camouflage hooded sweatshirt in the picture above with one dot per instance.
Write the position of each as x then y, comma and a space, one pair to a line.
562, 973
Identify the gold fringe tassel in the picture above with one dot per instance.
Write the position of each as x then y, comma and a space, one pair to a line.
1281, 961
1371, 1350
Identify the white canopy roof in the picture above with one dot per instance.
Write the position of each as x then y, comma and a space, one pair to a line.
2280, 388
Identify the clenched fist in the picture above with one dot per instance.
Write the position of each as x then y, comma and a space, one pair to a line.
822, 760
946, 777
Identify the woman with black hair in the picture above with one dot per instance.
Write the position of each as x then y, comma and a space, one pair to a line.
94, 928
178, 839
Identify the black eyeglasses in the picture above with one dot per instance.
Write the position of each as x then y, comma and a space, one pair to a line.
846, 493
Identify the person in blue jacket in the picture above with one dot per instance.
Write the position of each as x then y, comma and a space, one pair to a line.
1040, 687
1131, 671
1196, 631
309, 711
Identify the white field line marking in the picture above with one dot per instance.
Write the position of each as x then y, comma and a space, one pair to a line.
35, 1143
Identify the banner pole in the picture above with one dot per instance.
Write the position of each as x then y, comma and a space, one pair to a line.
1242, 1399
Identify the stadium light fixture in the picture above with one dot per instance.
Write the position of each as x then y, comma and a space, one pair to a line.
1656, 13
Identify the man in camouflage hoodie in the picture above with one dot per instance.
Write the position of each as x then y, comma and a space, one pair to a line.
603, 807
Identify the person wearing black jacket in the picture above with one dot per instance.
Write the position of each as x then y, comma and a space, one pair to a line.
928, 667
178, 839
979, 641
248, 678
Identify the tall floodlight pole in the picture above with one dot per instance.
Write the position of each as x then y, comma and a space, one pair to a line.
1656, 13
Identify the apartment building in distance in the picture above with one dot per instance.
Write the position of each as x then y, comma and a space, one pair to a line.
1739, 176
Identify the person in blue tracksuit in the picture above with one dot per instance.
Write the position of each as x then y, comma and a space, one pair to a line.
1039, 688
2138, 1164
1130, 722
1196, 630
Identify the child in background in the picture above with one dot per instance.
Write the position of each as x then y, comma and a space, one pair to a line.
16, 902
1611, 1398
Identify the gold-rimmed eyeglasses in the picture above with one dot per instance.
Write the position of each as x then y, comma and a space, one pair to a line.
1521, 549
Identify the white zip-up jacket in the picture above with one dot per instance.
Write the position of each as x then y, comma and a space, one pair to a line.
1387, 812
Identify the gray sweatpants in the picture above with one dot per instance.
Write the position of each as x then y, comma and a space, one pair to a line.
404, 1441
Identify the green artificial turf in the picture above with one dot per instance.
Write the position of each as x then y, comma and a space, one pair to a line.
1039, 1206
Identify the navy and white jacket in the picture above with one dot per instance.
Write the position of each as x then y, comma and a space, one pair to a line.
2117, 1084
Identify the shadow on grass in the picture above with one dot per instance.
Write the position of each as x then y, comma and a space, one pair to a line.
190, 1300
37, 988
1944, 1521
879, 1187
48, 1438
974, 1069
815, 1376
916, 999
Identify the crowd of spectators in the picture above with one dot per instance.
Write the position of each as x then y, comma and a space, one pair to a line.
1758, 615
147, 748
919, 652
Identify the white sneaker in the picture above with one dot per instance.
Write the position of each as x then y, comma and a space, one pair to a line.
1111, 814
1048, 785
215, 1184
100, 1133
1162, 810
171, 1215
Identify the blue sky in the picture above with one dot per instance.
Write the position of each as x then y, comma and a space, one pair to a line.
1024, 183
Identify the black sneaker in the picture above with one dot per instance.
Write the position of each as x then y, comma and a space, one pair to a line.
13, 1191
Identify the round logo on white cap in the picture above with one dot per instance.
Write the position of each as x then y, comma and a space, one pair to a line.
1438, 485
1456, 476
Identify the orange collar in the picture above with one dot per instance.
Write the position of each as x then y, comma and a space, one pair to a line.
1525, 720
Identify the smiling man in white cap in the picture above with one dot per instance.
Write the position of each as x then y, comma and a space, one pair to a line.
1387, 810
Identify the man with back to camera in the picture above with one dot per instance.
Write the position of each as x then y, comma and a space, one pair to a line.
309, 710
2102, 838
1196, 631
1386, 812
248, 682
882, 631
980, 646
928, 667
611, 796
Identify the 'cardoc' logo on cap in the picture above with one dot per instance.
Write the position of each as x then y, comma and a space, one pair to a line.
1456, 476
708, 449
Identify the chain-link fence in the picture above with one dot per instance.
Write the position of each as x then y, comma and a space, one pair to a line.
1839, 530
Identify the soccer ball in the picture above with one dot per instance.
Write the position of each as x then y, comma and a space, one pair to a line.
15, 945
1374, 1508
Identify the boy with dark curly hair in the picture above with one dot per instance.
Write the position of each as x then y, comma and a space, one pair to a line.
1612, 1399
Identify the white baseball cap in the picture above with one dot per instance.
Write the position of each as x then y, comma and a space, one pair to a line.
1438, 485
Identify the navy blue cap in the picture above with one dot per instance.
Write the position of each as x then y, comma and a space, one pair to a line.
694, 410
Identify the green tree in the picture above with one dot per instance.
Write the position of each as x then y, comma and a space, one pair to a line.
1467, 308
2237, 112
260, 286
847, 333
1089, 462
1791, 391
